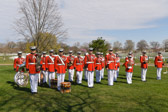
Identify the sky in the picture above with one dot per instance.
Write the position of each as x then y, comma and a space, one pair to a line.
114, 20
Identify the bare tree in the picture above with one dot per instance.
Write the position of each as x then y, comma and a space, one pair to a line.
117, 46
84, 47
155, 46
2, 47
142, 45
39, 16
129, 45
21, 45
165, 45
10, 47
65, 47
75, 47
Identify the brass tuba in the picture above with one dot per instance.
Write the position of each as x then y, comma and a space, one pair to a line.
21, 78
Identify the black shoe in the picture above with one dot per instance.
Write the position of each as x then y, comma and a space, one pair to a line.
34, 93
91, 87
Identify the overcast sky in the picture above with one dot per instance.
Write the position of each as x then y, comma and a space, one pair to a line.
111, 19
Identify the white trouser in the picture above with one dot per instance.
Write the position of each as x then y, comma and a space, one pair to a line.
86, 74
60, 79
159, 72
34, 82
79, 76
110, 77
90, 78
98, 75
115, 75
118, 72
71, 74
51, 75
102, 73
143, 74
129, 77
45, 75
39, 77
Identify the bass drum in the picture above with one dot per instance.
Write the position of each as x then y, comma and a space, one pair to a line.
21, 79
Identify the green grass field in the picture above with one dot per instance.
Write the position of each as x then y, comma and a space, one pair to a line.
6, 61
150, 96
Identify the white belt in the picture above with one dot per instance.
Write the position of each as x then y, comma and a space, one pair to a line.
98, 63
78, 63
159, 61
89, 62
43, 63
50, 63
32, 63
60, 64
110, 62
129, 67
17, 65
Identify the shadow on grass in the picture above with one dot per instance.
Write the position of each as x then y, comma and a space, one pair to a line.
62, 101
13, 84
85, 100
121, 82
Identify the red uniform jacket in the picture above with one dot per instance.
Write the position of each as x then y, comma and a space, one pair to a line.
110, 61
18, 61
129, 66
118, 62
89, 62
98, 63
42, 62
31, 63
142, 60
103, 62
72, 58
59, 66
49, 63
79, 63
159, 61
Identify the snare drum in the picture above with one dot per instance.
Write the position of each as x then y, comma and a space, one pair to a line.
65, 87
53, 83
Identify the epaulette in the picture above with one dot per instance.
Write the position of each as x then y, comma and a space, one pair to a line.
27, 54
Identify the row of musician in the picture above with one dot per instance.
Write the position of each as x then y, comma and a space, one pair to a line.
59, 64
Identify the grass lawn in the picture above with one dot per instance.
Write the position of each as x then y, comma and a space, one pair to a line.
6, 61
150, 96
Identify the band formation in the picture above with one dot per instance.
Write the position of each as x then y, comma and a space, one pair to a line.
51, 65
